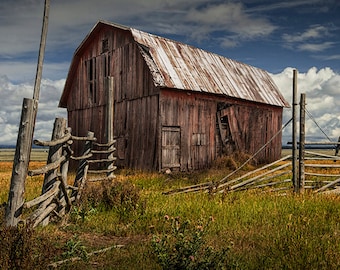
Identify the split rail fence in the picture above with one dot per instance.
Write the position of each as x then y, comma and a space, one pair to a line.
96, 163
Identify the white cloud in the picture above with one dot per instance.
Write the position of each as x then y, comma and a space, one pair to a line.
322, 97
311, 40
314, 32
70, 21
24, 71
230, 17
12, 96
310, 47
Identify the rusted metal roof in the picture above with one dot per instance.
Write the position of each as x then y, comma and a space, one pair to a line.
181, 66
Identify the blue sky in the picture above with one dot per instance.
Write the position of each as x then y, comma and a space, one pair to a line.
273, 35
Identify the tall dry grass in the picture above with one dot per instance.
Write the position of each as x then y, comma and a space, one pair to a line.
261, 230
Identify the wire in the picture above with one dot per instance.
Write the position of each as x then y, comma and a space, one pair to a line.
258, 151
313, 119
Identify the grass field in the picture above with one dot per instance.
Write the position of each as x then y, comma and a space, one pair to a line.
239, 230
36, 155
41, 154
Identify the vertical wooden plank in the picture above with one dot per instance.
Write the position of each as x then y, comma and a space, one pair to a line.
109, 83
110, 120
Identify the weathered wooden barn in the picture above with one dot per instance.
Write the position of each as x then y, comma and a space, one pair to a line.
170, 105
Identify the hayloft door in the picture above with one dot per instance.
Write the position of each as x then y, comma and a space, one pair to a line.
171, 147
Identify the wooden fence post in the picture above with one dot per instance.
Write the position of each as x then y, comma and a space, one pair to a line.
80, 179
301, 179
20, 163
54, 154
294, 133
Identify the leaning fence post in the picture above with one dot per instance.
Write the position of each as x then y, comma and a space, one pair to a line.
20, 163
80, 179
54, 154
301, 180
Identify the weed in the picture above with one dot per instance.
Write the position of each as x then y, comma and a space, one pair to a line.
82, 212
75, 248
124, 198
16, 251
184, 247
19, 249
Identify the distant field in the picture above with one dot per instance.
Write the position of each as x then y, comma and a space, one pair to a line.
330, 152
36, 155
41, 154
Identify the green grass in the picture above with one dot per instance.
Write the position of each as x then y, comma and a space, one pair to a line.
262, 230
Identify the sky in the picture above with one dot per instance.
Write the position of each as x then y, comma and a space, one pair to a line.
277, 36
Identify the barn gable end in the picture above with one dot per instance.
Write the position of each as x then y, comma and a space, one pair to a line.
175, 106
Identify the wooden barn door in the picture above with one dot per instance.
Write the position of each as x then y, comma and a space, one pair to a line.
171, 147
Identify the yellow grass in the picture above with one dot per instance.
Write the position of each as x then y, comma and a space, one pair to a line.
33, 184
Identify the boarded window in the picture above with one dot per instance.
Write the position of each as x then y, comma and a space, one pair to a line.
105, 45
92, 80
106, 59
199, 139
171, 147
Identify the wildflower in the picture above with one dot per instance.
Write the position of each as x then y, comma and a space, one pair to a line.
199, 228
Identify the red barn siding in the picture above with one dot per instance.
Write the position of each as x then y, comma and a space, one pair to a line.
195, 115
158, 127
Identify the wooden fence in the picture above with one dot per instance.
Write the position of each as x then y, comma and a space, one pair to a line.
58, 195
298, 172
277, 177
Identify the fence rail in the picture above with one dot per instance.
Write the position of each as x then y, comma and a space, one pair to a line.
58, 195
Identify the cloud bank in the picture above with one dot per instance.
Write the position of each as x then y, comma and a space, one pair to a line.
12, 96
321, 88
322, 97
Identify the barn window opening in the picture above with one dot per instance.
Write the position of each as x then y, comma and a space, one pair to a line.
106, 65
199, 139
105, 45
91, 80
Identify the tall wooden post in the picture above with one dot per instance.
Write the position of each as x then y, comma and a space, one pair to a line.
110, 123
20, 163
44, 29
301, 178
25, 138
294, 133
110, 108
